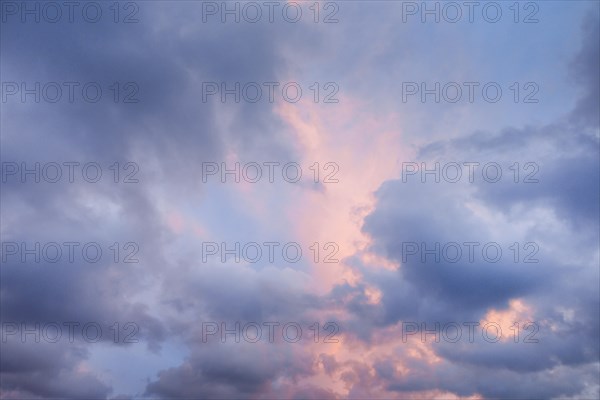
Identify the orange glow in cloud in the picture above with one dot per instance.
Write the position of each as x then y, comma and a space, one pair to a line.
517, 312
175, 221
365, 146
181, 224
348, 366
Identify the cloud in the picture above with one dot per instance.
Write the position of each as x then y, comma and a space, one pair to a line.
561, 288
170, 132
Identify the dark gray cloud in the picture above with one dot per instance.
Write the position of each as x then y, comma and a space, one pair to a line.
222, 371
585, 69
48, 370
497, 383
168, 133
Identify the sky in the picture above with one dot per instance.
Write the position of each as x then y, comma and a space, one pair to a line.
299, 200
